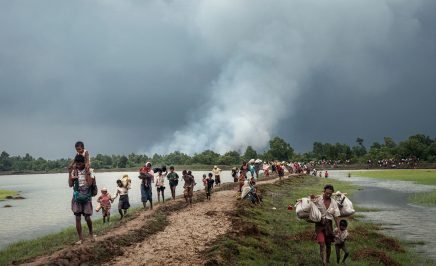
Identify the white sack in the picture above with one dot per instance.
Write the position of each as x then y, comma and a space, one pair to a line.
345, 205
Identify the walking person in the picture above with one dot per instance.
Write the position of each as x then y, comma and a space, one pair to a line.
123, 203
257, 168
188, 187
105, 200
160, 184
146, 175
173, 179
81, 181
235, 174
340, 238
280, 170
251, 169
209, 185
324, 229
217, 172
265, 168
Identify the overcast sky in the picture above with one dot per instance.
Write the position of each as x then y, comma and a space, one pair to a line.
158, 76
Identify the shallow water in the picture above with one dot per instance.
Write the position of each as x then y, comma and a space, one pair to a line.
47, 207
399, 218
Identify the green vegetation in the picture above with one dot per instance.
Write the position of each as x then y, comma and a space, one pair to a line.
7, 193
426, 198
415, 147
420, 176
266, 236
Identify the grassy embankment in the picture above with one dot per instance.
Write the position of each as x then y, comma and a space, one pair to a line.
264, 236
420, 176
7, 193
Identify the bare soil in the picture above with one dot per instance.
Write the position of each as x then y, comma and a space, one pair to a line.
186, 236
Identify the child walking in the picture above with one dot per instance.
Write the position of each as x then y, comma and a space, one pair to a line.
209, 185
123, 203
188, 187
205, 181
340, 237
173, 179
160, 184
105, 200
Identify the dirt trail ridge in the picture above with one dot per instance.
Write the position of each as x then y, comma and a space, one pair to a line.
187, 235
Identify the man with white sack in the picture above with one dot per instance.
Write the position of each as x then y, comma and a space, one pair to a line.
324, 229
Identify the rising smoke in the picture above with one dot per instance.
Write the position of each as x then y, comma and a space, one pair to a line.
271, 49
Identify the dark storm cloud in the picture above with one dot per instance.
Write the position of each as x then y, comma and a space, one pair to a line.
190, 75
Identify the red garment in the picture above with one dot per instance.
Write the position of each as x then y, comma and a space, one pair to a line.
320, 237
144, 170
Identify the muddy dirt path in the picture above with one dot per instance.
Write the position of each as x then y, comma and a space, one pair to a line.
187, 234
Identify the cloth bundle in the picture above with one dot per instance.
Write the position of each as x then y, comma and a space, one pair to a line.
345, 205
307, 210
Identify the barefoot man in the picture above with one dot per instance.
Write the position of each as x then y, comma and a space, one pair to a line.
81, 181
324, 229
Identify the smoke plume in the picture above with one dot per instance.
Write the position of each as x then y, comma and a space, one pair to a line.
272, 49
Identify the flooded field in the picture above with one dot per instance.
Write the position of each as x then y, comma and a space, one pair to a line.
408, 222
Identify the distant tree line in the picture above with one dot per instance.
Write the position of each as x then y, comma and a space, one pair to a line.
419, 147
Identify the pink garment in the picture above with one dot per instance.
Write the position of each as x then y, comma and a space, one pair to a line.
105, 200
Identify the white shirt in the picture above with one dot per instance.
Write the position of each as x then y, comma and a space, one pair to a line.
340, 236
81, 177
160, 180
122, 191
331, 212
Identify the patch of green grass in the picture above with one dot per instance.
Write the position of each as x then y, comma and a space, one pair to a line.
424, 198
266, 236
6, 193
420, 176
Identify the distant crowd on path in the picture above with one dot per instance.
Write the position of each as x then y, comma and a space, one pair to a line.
82, 179
411, 162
